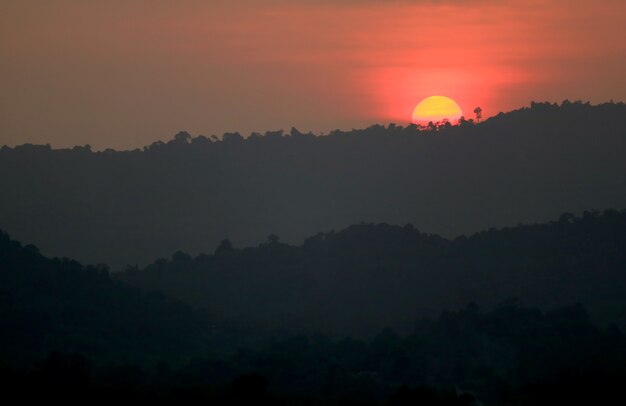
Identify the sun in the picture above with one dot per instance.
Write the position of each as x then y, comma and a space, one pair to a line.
436, 108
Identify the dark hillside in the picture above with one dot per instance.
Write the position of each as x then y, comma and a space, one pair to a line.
59, 305
367, 276
130, 207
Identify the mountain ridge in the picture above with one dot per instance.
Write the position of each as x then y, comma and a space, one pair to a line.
358, 280
526, 166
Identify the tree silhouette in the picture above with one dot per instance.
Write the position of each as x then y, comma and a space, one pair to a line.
225, 247
479, 114
181, 138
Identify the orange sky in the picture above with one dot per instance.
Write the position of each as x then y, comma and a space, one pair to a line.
122, 74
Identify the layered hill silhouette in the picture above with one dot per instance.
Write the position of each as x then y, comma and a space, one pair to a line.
108, 340
366, 277
59, 305
129, 207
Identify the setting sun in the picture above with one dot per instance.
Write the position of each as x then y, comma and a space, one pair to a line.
436, 108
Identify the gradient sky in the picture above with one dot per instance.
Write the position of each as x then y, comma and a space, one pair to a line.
123, 74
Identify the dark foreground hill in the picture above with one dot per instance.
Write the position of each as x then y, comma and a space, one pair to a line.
109, 342
130, 207
59, 305
367, 276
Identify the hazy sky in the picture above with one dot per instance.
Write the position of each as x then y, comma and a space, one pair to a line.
123, 74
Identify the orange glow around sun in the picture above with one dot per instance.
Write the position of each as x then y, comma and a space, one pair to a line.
436, 108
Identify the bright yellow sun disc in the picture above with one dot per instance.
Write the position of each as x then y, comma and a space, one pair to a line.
436, 108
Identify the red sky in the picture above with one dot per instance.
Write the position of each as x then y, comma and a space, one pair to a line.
123, 74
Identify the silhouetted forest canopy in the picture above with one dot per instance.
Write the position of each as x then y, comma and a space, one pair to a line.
456, 265
59, 305
76, 331
368, 276
129, 207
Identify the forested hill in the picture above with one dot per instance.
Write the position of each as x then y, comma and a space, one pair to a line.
110, 339
59, 305
129, 207
366, 277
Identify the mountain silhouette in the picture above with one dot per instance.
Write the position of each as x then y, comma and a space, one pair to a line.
368, 276
129, 207
73, 332
59, 305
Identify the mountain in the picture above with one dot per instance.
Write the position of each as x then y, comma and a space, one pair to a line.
59, 305
71, 333
369, 276
129, 207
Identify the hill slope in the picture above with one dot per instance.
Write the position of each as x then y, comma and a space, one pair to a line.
129, 207
367, 276
59, 305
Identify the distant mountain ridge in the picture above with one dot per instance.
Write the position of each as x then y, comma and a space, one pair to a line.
366, 277
59, 305
129, 207
280, 313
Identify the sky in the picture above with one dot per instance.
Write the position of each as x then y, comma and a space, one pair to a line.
125, 73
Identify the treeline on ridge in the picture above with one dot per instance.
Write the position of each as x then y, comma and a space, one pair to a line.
72, 332
367, 276
129, 207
